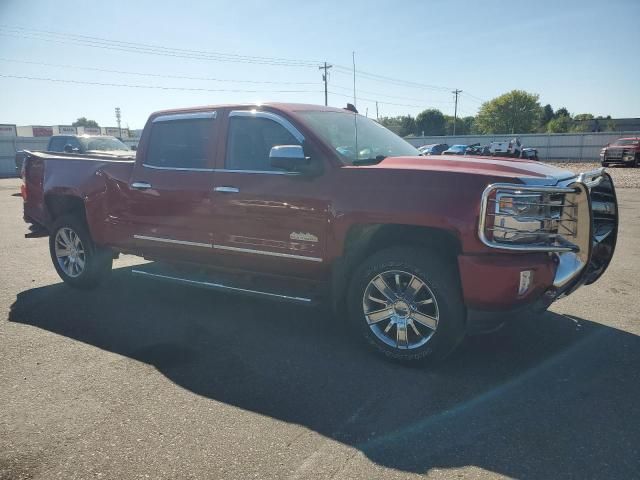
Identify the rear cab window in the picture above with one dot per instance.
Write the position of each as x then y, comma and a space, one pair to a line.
182, 141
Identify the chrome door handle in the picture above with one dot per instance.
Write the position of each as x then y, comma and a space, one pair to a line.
141, 185
226, 189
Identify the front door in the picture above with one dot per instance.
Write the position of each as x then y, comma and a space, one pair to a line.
171, 189
267, 220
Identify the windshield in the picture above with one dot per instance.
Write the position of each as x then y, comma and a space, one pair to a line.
627, 141
102, 143
458, 147
339, 130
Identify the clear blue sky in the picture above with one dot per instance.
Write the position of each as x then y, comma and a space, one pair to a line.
579, 54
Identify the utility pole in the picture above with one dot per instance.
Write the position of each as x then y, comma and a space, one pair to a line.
456, 92
377, 114
325, 78
118, 117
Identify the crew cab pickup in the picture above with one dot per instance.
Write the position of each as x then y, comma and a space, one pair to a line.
624, 151
85, 144
312, 204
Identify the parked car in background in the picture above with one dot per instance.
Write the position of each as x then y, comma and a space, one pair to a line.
83, 144
509, 148
624, 151
477, 149
529, 153
433, 149
455, 150
273, 201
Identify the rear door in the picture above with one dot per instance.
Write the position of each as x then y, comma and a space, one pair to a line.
171, 187
267, 220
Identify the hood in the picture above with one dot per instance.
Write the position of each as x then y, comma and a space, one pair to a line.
534, 171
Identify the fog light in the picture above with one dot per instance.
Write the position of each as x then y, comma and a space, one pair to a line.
526, 279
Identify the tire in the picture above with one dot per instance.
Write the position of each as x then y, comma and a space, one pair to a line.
87, 265
399, 266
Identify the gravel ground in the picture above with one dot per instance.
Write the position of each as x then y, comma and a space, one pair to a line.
622, 177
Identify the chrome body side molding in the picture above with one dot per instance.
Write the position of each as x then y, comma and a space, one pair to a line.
263, 252
171, 240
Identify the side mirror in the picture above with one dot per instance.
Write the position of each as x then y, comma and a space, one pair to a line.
288, 157
68, 148
134, 147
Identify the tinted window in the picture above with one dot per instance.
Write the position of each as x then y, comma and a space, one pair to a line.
251, 140
57, 144
73, 141
180, 143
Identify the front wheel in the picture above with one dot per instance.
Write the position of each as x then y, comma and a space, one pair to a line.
407, 304
78, 261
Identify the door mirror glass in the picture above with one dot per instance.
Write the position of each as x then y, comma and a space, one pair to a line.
288, 157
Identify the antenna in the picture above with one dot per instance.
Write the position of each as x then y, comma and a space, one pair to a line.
355, 115
353, 56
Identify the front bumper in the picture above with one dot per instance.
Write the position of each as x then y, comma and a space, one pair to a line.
491, 283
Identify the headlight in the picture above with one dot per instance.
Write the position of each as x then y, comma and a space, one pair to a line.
602, 152
518, 205
628, 158
526, 217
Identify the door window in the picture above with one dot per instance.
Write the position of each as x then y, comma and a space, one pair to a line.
181, 143
250, 141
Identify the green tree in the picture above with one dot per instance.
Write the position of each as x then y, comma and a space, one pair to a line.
431, 122
562, 112
582, 122
407, 126
514, 112
547, 115
464, 126
83, 122
561, 124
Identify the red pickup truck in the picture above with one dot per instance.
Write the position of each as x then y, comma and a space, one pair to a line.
312, 204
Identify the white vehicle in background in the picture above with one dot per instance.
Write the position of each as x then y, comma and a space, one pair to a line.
513, 149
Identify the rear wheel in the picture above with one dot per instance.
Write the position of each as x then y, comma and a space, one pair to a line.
407, 304
78, 261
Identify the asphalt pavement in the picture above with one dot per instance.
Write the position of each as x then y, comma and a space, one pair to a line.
139, 379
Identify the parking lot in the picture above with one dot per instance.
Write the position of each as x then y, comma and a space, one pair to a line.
150, 380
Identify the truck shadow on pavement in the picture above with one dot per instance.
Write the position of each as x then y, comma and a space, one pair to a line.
547, 397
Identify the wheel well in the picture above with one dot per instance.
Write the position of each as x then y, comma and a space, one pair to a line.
362, 241
58, 205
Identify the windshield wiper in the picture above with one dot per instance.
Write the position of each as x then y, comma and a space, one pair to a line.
369, 161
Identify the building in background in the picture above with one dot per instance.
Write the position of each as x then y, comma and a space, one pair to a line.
8, 130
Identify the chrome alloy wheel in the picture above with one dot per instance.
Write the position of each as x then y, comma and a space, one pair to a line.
70, 252
400, 309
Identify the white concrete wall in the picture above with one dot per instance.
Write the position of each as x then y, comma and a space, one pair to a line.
576, 147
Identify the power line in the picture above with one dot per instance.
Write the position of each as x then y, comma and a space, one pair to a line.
380, 102
157, 75
97, 42
391, 96
157, 87
385, 79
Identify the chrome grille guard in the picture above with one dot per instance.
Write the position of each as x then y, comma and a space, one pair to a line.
587, 229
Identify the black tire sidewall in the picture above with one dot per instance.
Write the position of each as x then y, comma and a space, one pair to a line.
97, 261
440, 277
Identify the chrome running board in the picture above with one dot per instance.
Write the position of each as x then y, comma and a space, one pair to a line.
222, 287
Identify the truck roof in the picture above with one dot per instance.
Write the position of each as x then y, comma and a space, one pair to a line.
290, 107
